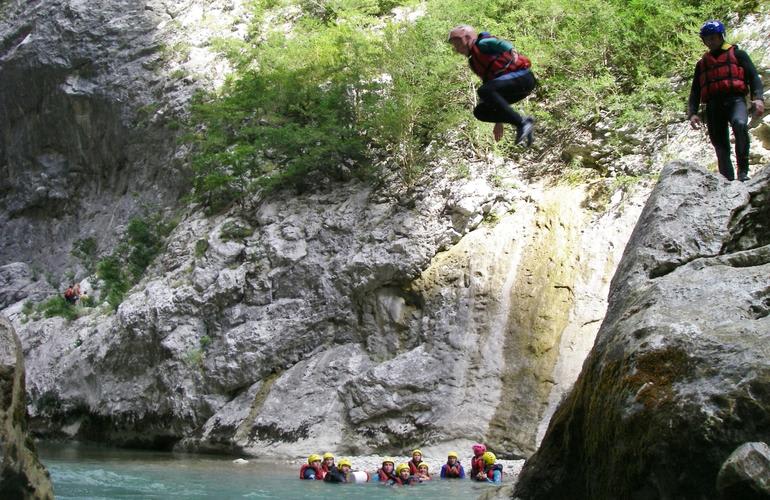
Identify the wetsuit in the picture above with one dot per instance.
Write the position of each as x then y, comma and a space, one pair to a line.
500, 89
726, 106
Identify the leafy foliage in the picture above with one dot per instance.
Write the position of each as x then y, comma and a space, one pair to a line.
125, 266
349, 85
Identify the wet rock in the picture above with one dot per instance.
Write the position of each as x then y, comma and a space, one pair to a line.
22, 476
679, 374
746, 473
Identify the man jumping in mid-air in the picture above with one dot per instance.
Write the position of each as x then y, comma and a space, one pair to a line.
506, 78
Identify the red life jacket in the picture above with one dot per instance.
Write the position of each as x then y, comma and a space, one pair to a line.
319, 472
385, 476
490, 66
413, 470
477, 465
412, 480
721, 75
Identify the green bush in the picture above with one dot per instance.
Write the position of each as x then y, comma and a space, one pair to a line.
58, 306
86, 251
349, 86
143, 241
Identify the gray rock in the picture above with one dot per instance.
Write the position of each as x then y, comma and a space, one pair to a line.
21, 473
19, 282
679, 375
746, 473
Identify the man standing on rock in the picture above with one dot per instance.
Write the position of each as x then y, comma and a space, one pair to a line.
506, 78
722, 79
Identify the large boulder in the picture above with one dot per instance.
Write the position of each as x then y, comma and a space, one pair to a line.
22, 476
679, 375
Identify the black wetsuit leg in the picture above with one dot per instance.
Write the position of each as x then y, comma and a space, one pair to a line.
497, 97
723, 112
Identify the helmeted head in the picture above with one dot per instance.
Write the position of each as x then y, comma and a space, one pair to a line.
328, 458
423, 467
712, 27
402, 470
462, 38
479, 449
345, 465
452, 457
713, 34
388, 464
417, 455
489, 458
314, 458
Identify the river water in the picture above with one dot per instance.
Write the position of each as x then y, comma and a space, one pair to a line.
81, 472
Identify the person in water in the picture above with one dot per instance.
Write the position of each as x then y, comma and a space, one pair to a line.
722, 79
477, 464
415, 462
386, 474
328, 462
493, 472
404, 477
506, 78
423, 472
312, 469
452, 469
339, 473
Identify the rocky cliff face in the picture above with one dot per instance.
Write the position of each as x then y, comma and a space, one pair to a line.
22, 476
339, 323
346, 319
89, 102
679, 376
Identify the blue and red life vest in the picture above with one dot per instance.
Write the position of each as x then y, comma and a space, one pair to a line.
721, 75
491, 66
319, 472
491, 471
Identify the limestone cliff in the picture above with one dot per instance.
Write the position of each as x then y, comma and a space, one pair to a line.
22, 476
679, 376
347, 318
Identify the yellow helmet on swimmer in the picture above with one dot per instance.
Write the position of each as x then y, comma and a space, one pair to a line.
415, 452
314, 458
328, 455
452, 454
401, 468
388, 460
344, 461
489, 458
423, 464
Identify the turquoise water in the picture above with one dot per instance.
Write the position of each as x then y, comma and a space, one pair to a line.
80, 472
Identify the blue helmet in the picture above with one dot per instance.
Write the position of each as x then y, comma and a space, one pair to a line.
711, 28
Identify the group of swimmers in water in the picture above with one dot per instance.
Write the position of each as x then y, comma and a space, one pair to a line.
484, 468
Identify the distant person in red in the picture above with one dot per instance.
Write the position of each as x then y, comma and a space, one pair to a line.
477, 463
72, 294
312, 469
722, 80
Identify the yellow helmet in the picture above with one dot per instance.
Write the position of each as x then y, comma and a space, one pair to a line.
489, 458
328, 455
415, 452
401, 467
423, 464
388, 460
452, 454
313, 458
344, 461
